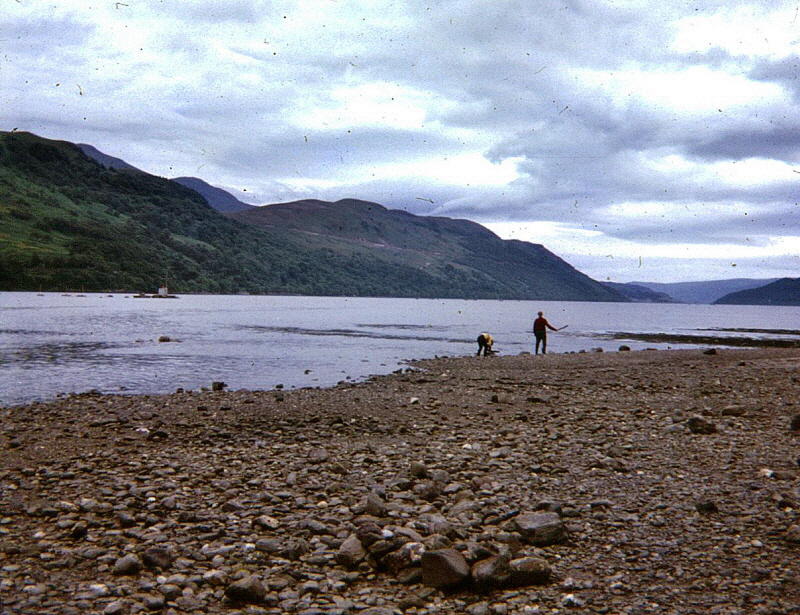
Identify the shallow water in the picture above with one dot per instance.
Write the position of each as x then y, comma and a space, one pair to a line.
52, 343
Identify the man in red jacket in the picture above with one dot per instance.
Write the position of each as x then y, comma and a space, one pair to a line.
540, 327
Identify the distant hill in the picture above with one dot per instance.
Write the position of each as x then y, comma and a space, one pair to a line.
107, 161
70, 222
440, 246
785, 291
638, 293
703, 292
218, 198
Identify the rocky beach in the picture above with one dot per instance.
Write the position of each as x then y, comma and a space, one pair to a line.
621, 483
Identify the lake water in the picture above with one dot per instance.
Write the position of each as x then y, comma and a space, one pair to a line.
52, 344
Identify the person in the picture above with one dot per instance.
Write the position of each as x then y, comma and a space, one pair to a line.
540, 327
485, 342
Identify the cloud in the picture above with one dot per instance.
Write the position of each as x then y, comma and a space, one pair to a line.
649, 123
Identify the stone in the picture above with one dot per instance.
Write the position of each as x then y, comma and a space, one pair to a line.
249, 590
118, 607
706, 506
373, 505
157, 557
418, 470
733, 411
529, 571
710, 351
624, 348
153, 602
699, 425
351, 552
540, 528
444, 568
318, 455
127, 565
794, 425
218, 386
491, 573
125, 519
792, 534
407, 556
79, 530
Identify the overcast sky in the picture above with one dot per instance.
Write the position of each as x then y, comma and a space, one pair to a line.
638, 140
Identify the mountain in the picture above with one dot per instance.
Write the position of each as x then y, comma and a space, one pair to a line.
107, 161
638, 293
446, 248
218, 198
703, 292
785, 291
69, 222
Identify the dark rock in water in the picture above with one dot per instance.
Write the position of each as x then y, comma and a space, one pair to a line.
218, 386
706, 506
127, 565
529, 571
540, 528
795, 423
624, 348
248, 590
444, 568
164, 338
710, 351
699, 425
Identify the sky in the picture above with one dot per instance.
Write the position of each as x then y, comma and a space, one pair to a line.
639, 140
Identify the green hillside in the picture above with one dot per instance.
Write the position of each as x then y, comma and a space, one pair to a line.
69, 223
447, 248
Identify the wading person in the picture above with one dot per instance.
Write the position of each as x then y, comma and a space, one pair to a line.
485, 342
540, 327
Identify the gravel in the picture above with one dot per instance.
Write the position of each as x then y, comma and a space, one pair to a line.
621, 483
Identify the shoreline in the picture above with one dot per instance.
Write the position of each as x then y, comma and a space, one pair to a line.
269, 486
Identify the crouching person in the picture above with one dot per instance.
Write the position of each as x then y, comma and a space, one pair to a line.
485, 342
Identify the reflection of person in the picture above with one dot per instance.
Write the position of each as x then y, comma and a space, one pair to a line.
540, 327
485, 342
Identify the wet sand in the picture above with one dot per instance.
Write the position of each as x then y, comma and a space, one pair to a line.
675, 474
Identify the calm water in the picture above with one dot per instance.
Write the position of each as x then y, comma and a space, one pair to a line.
52, 343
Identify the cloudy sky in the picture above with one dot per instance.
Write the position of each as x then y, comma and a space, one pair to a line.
639, 140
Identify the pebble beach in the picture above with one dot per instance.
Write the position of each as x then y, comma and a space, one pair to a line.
619, 482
